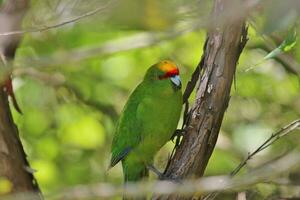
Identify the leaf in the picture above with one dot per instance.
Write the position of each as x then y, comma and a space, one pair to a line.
289, 42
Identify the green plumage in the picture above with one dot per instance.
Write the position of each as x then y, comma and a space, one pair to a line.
147, 122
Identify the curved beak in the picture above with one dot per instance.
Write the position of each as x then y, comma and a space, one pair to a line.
176, 81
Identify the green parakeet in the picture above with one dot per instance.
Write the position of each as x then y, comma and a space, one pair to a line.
148, 120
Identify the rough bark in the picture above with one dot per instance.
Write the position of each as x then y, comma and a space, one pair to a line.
13, 162
225, 42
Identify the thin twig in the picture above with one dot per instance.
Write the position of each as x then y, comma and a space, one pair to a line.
45, 28
186, 95
194, 79
53, 79
273, 138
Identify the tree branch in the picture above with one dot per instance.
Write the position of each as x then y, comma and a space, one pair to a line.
287, 163
45, 28
268, 172
273, 138
225, 42
13, 162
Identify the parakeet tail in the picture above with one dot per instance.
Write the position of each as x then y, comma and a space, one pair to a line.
135, 174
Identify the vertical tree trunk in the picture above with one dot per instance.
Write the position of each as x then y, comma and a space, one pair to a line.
225, 41
13, 163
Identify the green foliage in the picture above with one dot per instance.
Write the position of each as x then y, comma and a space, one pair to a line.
67, 126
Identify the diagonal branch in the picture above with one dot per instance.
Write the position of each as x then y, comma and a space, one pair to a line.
66, 22
273, 138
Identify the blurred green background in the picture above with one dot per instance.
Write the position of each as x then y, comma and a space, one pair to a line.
71, 97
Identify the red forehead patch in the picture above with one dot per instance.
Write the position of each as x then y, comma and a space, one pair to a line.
169, 68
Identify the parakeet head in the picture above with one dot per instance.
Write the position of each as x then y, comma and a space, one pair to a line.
164, 70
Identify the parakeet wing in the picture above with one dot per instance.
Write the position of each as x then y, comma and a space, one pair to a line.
128, 133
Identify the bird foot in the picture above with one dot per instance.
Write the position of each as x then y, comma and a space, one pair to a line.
178, 133
162, 176
155, 171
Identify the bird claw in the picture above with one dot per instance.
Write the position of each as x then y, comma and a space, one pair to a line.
155, 171
162, 176
177, 133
